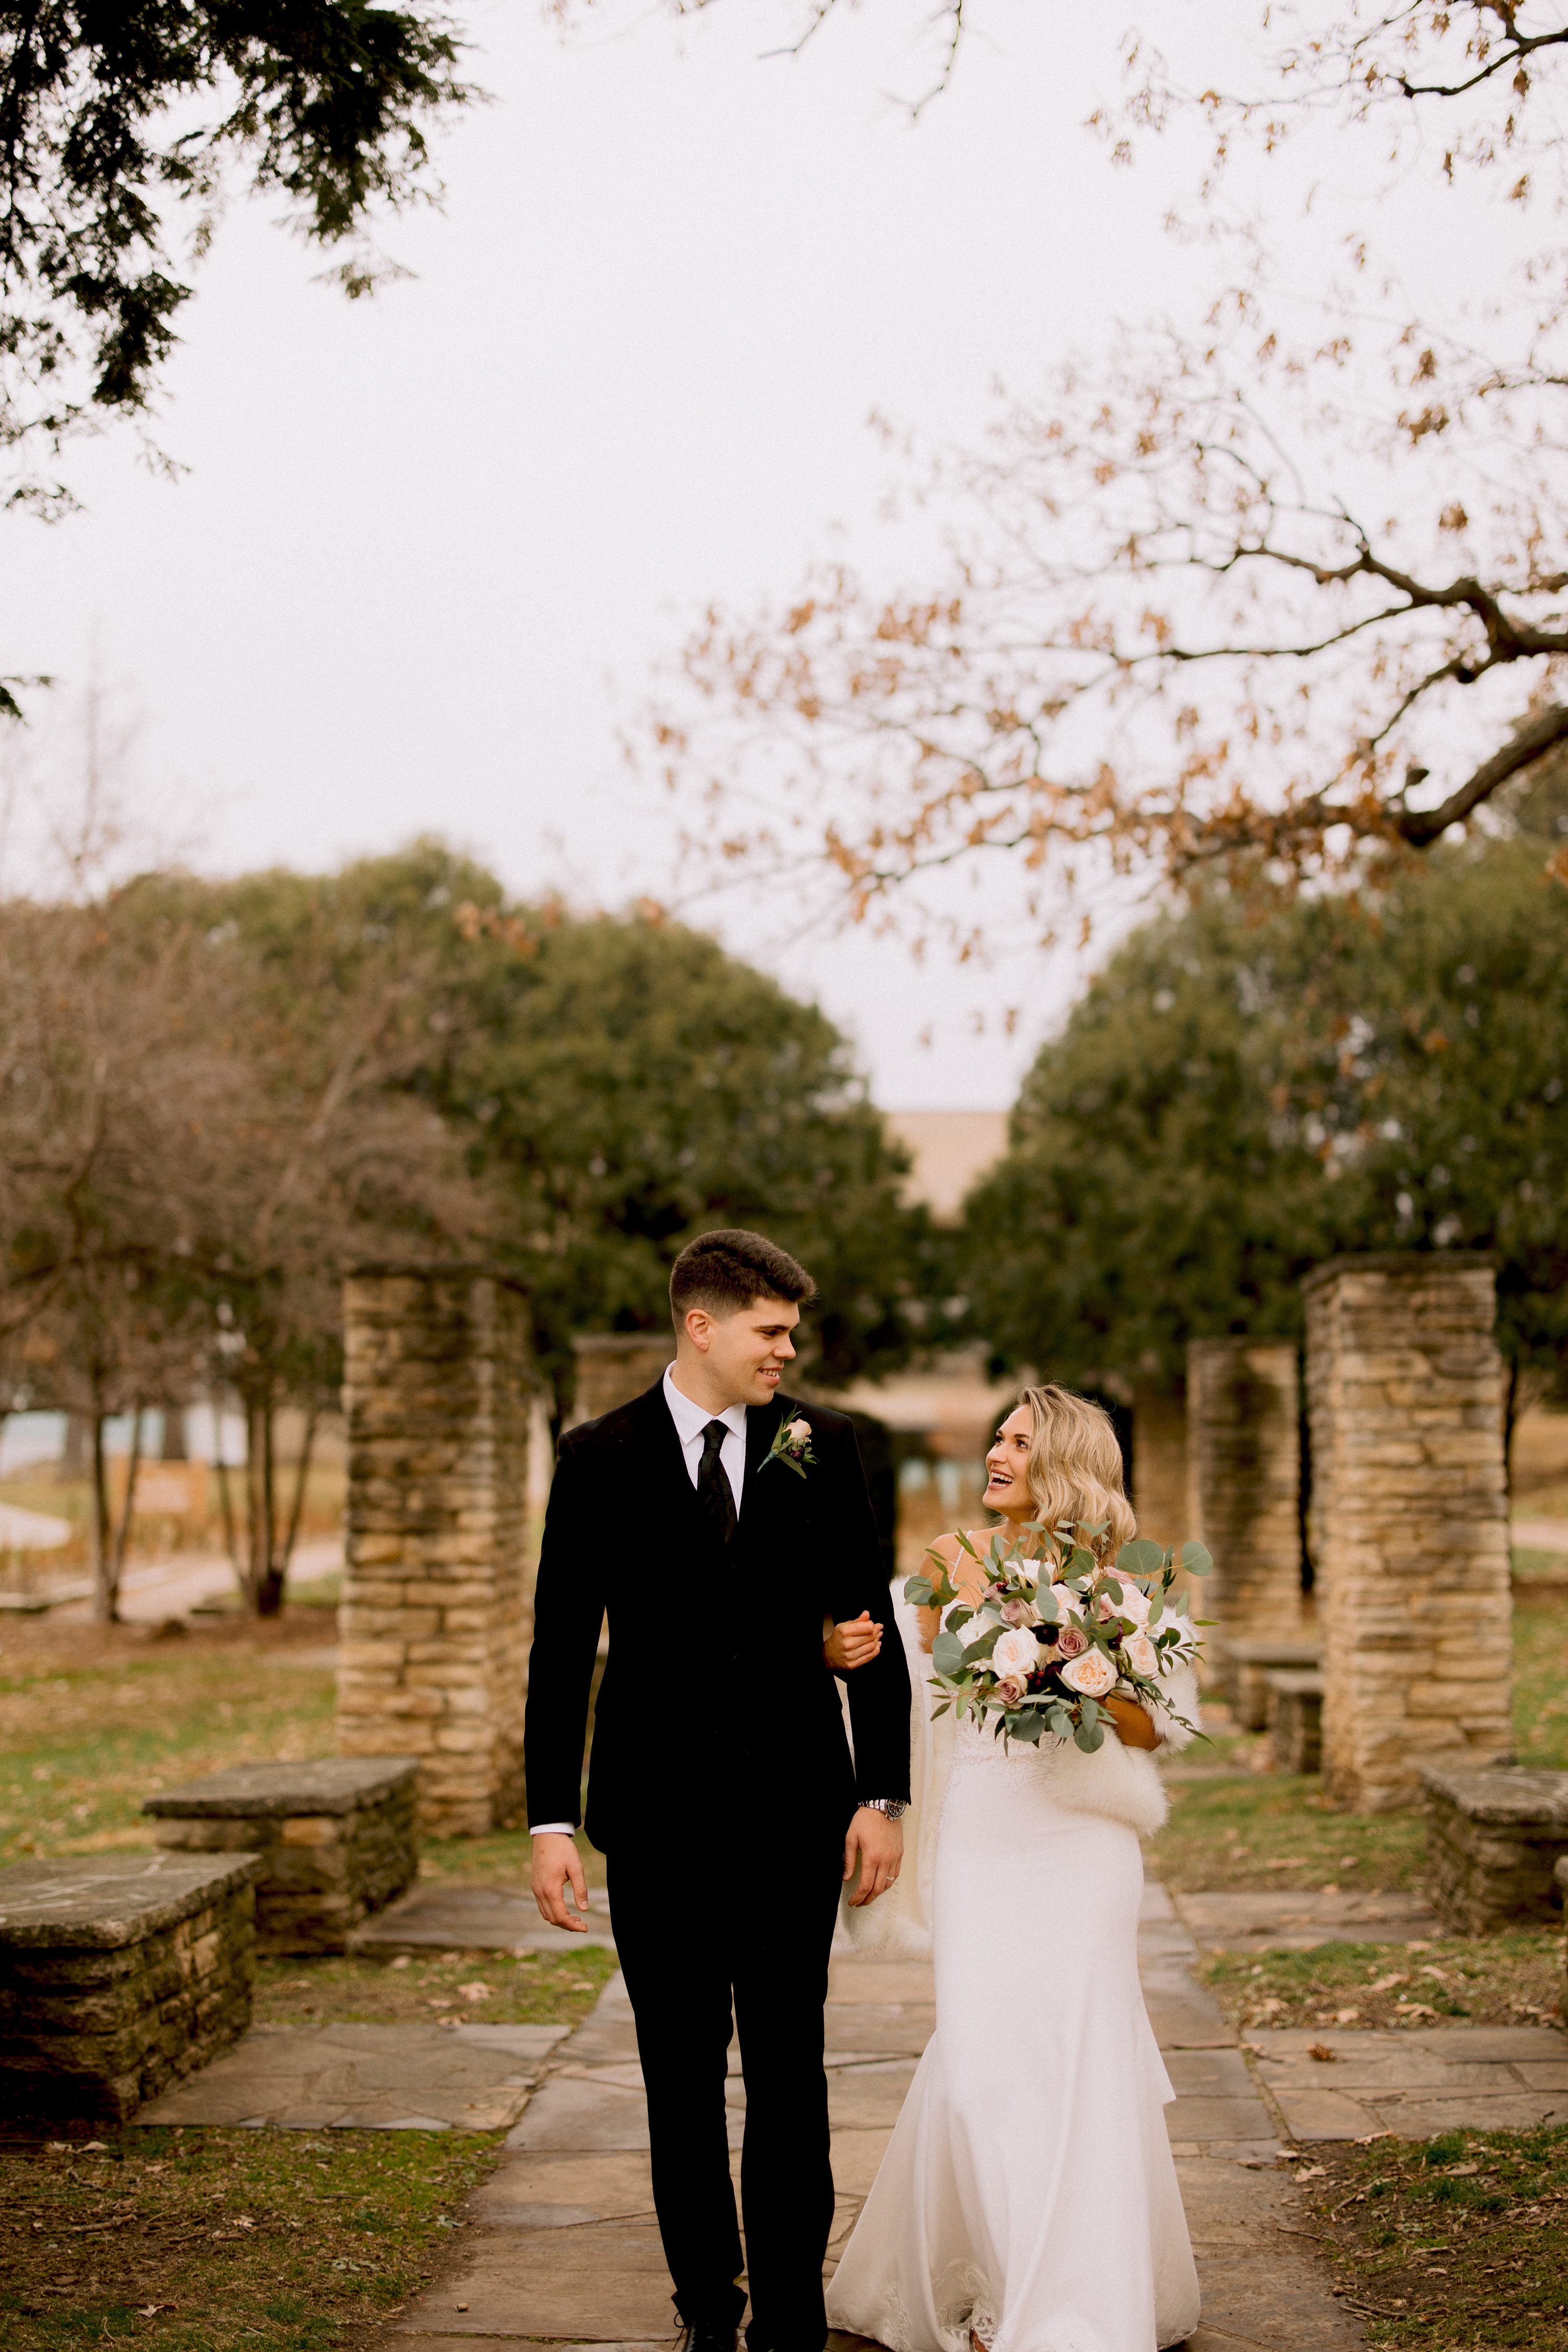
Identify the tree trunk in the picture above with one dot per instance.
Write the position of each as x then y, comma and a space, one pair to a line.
264, 1583
296, 1503
225, 1505
76, 1450
176, 1447
105, 1586
121, 1536
1509, 1417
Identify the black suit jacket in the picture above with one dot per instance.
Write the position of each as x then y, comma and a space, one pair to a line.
714, 1684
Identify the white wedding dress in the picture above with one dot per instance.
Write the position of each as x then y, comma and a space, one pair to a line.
897, 1926
1028, 2192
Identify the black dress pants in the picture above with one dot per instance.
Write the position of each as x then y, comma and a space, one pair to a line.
687, 1951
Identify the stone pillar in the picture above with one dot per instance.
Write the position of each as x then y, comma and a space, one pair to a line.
1244, 1483
433, 1649
1409, 1518
1160, 1464
613, 1367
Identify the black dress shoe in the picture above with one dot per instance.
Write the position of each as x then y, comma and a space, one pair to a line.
708, 2336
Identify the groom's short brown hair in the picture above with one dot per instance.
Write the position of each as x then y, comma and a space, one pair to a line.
726, 1270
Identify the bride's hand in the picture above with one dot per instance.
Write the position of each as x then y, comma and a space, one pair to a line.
1134, 1724
853, 1644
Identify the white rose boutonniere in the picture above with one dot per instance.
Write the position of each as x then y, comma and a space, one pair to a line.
792, 1446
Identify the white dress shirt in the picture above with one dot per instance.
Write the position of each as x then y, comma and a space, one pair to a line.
691, 1422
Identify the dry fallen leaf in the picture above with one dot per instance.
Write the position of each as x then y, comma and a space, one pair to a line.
1321, 2053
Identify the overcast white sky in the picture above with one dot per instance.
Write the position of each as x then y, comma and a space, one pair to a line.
429, 547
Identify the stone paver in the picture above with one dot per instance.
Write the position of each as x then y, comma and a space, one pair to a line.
562, 2245
1301, 1921
437, 1916
1414, 2082
367, 2077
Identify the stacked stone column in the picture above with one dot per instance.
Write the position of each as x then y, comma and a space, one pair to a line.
613, 1367
1244, 1498
1160, 1464
1409, 1518
433, 1650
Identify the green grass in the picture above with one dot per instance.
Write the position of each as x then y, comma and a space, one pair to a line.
1274, 1833
224, 2242
82, 1744
1454, 2244
471, 1988
1514, 1978
1540, 1680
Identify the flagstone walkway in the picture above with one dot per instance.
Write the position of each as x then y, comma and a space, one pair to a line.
562, 2246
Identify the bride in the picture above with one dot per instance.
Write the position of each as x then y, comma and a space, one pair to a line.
1028, 2202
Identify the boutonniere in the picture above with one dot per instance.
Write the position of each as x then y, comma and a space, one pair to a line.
792, 1446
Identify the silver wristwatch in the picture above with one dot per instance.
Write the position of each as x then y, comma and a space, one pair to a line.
894, 1807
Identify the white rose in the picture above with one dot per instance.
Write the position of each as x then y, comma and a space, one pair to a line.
799, 1433
1134, 1600
1091, 1675
1068, 1604
1016, 1655
1140, 1654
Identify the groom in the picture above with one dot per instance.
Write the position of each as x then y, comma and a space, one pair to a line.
722, 1789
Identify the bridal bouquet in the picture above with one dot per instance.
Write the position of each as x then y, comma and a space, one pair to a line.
1052, 1636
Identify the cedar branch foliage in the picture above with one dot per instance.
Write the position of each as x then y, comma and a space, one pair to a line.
1235, 1099
1283, 583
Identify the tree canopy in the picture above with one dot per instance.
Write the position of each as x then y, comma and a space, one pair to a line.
119, 118
1235, 1099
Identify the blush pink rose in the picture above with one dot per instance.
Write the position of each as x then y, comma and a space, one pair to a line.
1072, 1642
1016, 1654
1020, 1613
1010, 1690
1090, 1675
799, 1433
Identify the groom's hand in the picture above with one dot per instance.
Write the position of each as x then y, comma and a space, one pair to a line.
557, 1865
878, 1845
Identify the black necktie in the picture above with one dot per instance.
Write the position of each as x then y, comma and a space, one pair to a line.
713, 1489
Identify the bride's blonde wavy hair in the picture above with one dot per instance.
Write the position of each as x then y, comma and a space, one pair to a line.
1075, 1467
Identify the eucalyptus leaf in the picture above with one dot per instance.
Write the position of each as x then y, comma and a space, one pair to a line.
918, 1592
1196, 1558
1140, 1557
947, 1653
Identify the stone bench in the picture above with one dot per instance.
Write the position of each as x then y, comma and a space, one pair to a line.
335, 1839
1295, 1720
119, 1974
1495, 1838
1245, 1666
